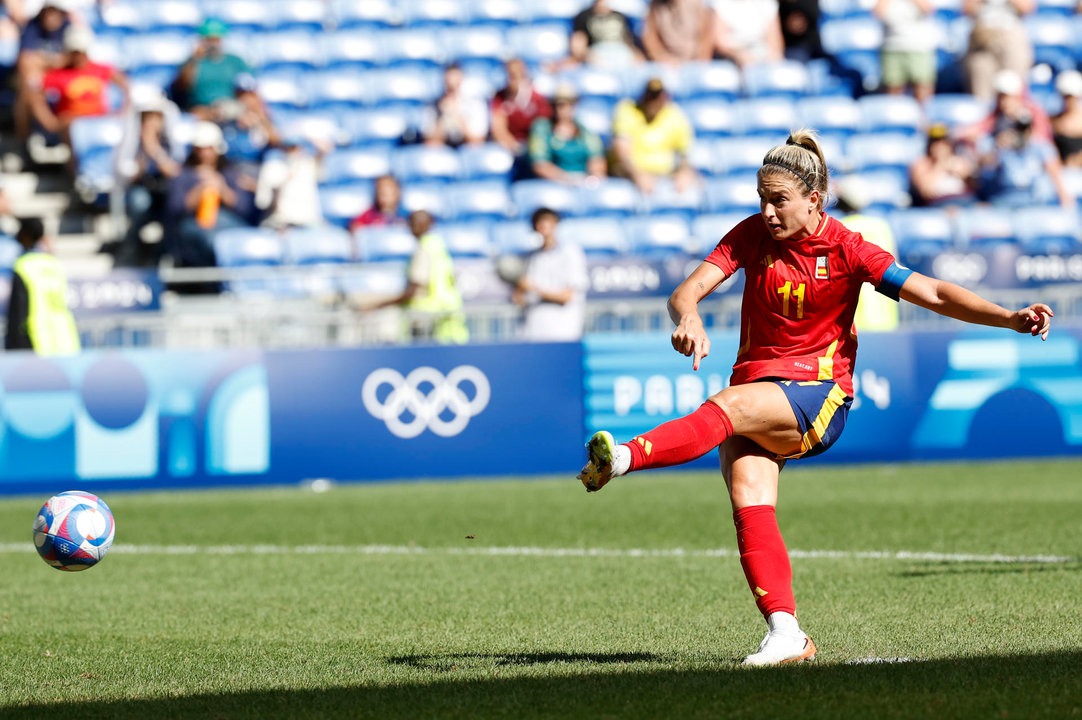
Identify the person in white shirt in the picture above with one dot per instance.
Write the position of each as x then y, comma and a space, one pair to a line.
749, 31
908, 54
552, 292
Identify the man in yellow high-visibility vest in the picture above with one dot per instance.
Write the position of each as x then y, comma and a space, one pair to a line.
38, 315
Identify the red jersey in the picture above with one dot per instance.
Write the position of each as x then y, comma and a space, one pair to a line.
521, 110
78, 91
799, 300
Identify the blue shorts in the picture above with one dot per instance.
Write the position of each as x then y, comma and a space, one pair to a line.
821, 408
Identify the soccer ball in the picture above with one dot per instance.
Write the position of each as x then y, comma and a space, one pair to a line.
73, 530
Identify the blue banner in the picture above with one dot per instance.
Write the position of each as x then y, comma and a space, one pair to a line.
122, 291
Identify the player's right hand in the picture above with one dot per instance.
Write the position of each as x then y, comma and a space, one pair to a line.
689, 339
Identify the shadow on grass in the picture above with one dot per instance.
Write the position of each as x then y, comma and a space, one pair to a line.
456, 661
1041, 685
987, 569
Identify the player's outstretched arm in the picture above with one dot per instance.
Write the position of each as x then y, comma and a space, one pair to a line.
954, 301
689, 338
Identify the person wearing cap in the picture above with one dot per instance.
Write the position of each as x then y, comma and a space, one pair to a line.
457, 117
1067, 126
562, 149
513, 110
651, 138
1020, 169
941, 176
78, 88
207, 196
41, 47
210, 74
603, 37
679, 31
998, 41
1012, 103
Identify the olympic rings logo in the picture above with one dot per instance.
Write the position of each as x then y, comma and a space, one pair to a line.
424, 398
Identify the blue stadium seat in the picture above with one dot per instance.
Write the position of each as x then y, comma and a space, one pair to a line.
10, 250
439, 13
94, 134
665, 199
359, 49
595, 114
528, 195
311, 124
158, 50
336, 91
922, 232
430, 197
282, 90
384, 126
498, 13
467, 239
741, 156
514, 236
773, 117
126, 16
956, 110
420, 47
253, 15
1048, 230
342, 203
664, 234
377, 244
855, 43
490, 161
311, 246
590, 82
1057, 7
308, 15
672, 77
475, 42
1054, 40
540, 43
403, 86
732, 195
551, 10
634, 9
483, 199
369, 14
612, 196
834, 115
426, 162
596, 236
238, 247
136, 15
710, 229
883, 113
884, 151
886, 189
984, 227
293, 49
712, 117
719, 79
1072, 179
701, 156
788, 79
345, 167
948, 9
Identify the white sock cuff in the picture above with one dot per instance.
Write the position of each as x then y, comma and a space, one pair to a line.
783, 622
621, 460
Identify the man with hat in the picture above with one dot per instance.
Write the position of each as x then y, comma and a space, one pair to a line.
210, 74
651, 139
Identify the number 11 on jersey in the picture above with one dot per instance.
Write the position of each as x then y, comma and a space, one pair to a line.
786, 291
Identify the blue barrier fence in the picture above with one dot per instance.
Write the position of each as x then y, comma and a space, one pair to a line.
152, 418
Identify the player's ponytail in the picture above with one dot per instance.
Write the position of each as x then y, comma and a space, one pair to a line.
800, 157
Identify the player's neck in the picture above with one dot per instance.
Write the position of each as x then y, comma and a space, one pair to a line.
809, 229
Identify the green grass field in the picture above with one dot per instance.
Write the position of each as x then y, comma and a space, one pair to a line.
475, 599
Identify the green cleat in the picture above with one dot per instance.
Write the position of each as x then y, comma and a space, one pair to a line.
597, 471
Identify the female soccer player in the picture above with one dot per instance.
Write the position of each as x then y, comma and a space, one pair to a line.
792, 383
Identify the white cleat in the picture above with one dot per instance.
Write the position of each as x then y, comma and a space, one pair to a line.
598, 468
780, 647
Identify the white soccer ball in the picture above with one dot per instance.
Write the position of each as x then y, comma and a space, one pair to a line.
74, 530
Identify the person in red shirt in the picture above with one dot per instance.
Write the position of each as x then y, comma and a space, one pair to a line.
792, 384
515, 107
78, 88
386, 206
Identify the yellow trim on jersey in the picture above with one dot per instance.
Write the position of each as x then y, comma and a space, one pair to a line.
747, 342
826, 363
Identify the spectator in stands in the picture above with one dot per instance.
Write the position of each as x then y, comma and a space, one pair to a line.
603, 37
208, 195
651, 138
552, 291
36, 320
561, 149
748, 32
678, 31
1012, 103
514, 109
800, 29
908, 53
1067, 126
875, 311
457, 118
998, 42
1020, 169
288, 185
41, 48
941, 176
210, 74
246, 124
386, 206
148, 159
433, 301
77, 89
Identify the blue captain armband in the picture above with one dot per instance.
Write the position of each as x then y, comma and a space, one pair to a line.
893, 279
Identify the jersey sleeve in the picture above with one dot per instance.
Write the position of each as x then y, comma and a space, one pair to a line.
730, 252
875, 265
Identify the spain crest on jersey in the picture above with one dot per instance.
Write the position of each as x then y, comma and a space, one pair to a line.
822, 270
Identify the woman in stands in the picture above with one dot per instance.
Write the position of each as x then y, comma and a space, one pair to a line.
792, 382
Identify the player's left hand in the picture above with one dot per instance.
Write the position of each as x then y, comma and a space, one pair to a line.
1035, 320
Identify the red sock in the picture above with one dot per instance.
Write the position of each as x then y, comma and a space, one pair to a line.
681, 440
765, 559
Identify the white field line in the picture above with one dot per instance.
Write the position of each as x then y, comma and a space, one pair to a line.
548, 552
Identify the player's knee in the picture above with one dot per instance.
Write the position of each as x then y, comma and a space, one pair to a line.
733, 401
